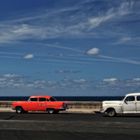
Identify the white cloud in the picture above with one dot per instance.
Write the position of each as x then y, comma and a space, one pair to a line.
22, 29
136, 79
39, 84
135, 40
11, 33
9, 75
96, 21
80, 81
93, 51
11, 81
110, 80
121, 60
67, 71
29, 56
124, 39
124, 9
43, 26
19, 82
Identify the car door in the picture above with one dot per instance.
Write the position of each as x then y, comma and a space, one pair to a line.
138, 104
42, 104
32, 104
129, 105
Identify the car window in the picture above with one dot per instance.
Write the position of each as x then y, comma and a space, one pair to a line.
138, 98
33, 99
52, 99
130, 99
42, 99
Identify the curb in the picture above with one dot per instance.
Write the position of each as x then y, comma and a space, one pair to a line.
89, 111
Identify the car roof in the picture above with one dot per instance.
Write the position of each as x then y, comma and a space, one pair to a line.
132, 94
40, 96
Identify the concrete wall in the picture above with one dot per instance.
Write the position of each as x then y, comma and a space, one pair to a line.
84, 104
5, 104
71, 105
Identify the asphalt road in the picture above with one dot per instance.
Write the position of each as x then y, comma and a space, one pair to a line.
42, 126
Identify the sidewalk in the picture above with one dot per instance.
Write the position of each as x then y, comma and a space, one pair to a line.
6, 109
92, 111
83, 110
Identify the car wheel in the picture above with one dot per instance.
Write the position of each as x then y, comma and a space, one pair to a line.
50, 111
19, 110
110, 112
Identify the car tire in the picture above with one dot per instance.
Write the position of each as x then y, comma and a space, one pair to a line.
19, 110
110, 112
50, 111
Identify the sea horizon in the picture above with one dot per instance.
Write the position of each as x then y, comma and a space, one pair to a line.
65, 98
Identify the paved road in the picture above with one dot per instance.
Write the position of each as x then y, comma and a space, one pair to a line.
42, 126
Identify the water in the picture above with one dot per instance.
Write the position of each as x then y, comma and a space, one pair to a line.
65, 98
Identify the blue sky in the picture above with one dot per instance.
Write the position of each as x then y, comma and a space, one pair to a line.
69, 47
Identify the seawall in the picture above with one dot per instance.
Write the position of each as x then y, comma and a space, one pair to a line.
74, 106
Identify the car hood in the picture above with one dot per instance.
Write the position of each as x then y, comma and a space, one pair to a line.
112, 102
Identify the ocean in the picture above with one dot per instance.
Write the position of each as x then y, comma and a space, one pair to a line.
65, 98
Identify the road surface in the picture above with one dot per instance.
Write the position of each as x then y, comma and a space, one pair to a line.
66, 126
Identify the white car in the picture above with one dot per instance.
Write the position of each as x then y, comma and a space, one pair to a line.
129, 105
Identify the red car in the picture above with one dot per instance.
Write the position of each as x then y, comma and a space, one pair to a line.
39, 103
